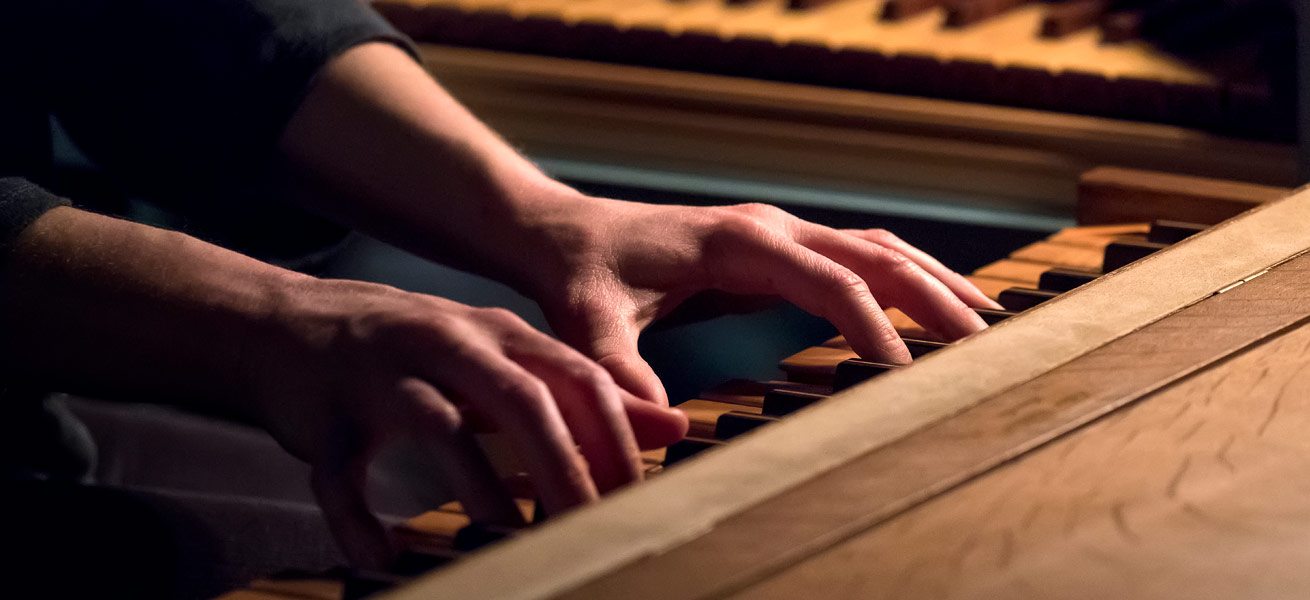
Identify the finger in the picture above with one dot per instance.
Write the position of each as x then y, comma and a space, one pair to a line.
589, 402
963, 288
899, 279
654, 426
441, 429
523, 408
339, 489
763, 262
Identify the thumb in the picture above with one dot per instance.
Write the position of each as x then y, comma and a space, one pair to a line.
608, 337
619, 356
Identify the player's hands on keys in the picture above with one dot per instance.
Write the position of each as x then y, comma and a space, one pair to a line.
630, 263
356, 365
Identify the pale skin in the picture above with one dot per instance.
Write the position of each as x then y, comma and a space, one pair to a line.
336, 370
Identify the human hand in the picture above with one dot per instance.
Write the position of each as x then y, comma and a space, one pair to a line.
355, 365
628, 264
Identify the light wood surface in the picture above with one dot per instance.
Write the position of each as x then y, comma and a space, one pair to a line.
1200, 491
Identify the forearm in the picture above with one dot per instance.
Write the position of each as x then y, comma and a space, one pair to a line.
92, 303
379, 145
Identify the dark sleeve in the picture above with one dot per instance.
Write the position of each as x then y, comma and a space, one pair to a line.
190, 91
21, 202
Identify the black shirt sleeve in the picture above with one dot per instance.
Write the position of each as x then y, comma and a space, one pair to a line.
188, 94
21, 203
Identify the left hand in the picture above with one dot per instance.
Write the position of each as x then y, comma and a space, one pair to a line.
626, 264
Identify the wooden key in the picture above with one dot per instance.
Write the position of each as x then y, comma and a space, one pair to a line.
1172, 232
1063, 280
1021, 272
784, 402
804, 4
704, 415
1120, 254
746, 392
1059, 255
992, 316
855, 371
963, 13
1021, 299
895, 10
1064, 18
815, 365
1097, 236
733, 424
688, 447
921, 348
991, 287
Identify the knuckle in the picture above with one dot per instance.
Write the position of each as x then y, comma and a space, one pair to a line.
523, 394
500, 317
845, 282
883, 236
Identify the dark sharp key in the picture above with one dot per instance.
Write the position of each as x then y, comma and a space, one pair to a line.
1063, 280
733, 424
1121, 253
1172, 232
1021, 299
778, 403
963, 13
895, 10
854, 371
920, 348
480, 535
804, 4
361, 583
992, 316
414, 563
1064, 18
687, 448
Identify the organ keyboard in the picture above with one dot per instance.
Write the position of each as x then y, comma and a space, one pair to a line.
1127, 422
834, 96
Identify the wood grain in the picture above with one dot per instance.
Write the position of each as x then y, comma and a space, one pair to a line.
1116, 195
1200, 491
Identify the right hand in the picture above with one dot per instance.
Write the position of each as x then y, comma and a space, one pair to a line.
355, 365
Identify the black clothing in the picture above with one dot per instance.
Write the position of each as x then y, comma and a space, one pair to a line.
181, 102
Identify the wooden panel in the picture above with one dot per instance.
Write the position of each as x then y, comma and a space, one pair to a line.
1200, 491
764, 539
1114, 195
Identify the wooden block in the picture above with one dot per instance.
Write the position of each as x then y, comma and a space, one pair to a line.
1115, 195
